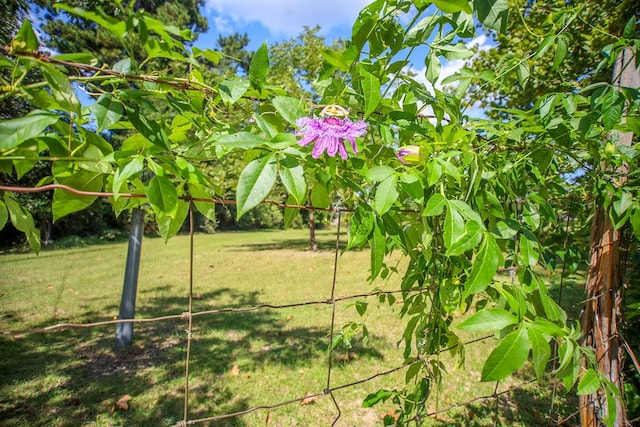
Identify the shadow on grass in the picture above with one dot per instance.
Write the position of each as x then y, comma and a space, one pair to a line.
324, 245
75, 376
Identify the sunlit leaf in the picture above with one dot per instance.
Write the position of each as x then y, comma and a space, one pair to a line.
490, 319
485, 266
371, 92
289, 108
107, 111
163, 196
232, 90
259, 66
23, 221
508, 356
14, 132
65, 202
493, 14
386, 194
255, 182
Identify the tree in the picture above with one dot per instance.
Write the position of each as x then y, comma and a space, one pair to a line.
572, 36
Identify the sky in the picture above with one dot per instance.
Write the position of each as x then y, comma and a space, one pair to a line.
277, 20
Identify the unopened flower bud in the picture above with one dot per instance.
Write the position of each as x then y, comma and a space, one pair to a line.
411, 155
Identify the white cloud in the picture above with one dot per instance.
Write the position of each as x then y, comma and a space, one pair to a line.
286, 17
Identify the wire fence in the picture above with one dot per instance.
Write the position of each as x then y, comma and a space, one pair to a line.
189, 314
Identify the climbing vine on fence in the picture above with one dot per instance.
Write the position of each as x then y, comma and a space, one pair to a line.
461, 197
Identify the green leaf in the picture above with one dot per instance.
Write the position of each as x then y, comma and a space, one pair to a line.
560, 52
377, 397
435, 205
26, 39
290, 214
377, 243
209, 54
541, 351
547, 328
170, 225
612, 106
23, 221
150, 129
232, 90
293, 180
65, 202
468, 240
386, 194
361, 307
14, 132
259, 66
420, 32
453, 225
107, 111
61, 89
523, 72
360, 226
4, 215
589, 384
163, 197
116, 26
379, 173
243, 140
370, 91
123, 66
320, 196
629, 30
493, 14
433, 67
508, 356
199, 191
126, 172
453, 6
255, 183
529, 250
336, 59
485, 266
289, 108
507, 229
490, 319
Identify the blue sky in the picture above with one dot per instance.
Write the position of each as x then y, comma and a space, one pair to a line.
277, 20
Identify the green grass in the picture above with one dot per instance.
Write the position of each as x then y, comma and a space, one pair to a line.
74, 377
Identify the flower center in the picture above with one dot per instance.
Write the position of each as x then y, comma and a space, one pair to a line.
333, 122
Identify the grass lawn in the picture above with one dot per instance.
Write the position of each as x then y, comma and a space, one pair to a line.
74, 377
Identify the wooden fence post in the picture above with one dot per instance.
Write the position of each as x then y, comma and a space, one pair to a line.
602, 316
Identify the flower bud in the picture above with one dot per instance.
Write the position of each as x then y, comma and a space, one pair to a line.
411, 155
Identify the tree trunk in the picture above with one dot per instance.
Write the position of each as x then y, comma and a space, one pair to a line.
602, 316
312, 231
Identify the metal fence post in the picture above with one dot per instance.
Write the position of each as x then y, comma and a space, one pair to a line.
124, 331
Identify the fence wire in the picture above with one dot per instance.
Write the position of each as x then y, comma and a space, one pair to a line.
190, 314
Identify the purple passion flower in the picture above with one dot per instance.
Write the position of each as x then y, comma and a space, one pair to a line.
410, 155
330, 134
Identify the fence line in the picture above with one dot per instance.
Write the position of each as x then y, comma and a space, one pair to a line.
190, 314
185, 315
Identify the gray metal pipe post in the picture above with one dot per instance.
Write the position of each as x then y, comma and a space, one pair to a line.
124, 331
